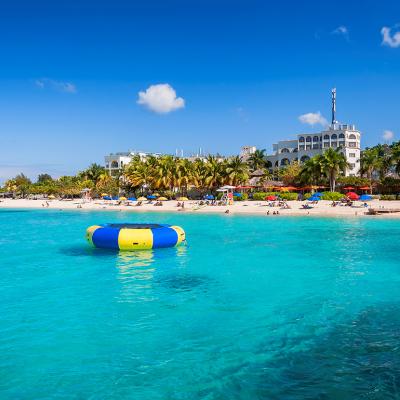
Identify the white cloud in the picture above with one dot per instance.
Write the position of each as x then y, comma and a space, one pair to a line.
66, 87
313, 119
388, 135
341, 30
161, 98
390, 39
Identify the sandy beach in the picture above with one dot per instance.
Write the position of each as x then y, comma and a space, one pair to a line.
323, 208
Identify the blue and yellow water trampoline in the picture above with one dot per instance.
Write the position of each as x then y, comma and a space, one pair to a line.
134, 236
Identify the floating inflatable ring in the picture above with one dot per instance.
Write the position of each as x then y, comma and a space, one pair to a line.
134, 236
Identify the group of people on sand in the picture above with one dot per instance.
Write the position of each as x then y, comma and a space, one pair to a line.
181, 205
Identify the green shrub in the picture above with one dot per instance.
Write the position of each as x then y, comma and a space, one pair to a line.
306, 196
334, 196
388, 197
243, 197
288, 196
259, 196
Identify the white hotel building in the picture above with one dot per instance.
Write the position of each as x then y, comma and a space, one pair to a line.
343, 136
115, 162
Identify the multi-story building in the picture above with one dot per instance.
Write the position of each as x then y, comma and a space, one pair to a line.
247, 151
115, 162
343, 136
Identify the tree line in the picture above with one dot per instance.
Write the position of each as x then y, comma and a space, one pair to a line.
169, 175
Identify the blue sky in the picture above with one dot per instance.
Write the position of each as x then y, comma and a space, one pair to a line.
243, 72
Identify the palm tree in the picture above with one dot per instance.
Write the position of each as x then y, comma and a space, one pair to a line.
257, 160
184, 175
213, 173
370, 162
395, 157
93, 172
138, 174
236, 171
332, 163
311, 171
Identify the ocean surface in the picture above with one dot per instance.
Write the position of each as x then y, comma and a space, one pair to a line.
252, 308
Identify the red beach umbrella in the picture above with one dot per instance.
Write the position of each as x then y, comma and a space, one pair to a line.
349, 188
352, 196
271, 198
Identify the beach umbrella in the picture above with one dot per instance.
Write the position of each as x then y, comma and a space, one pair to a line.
271, 198
132, 198
364, 188
288, 189
51, 197
365, 197
352, 196
141, 198
348, 188
162, 199
104, 194
317, 194
106, 197
182, 198
237, 194
123, 198
209, 197
314, 198
115, 198
151, 197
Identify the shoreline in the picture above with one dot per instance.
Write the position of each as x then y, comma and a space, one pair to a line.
261, 208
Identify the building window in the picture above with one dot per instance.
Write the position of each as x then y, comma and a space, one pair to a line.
326, 137
352, 144
301, 139
114, 164
315, 139
352, 136
326, 145
352, 166
284, 162
352, 155
341, 144
304, 159
295, 150
308, 139
301, 148
334, 136
285, 150
341, 135
308, 147
315, 146
334, 145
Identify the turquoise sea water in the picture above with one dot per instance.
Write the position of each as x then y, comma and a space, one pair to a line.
253, 308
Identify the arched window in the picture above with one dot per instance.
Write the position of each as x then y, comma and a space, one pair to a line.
352, 136
301, 139
326, 137
334, 136
295, 150
341, 136
114, 164
276, 163
304, 159
308, 139
285, 161
285, 150
315, 139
